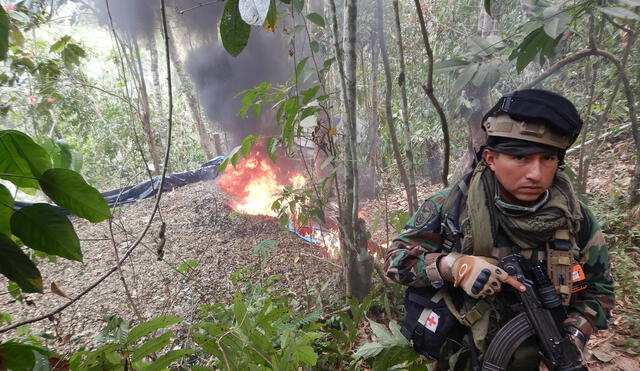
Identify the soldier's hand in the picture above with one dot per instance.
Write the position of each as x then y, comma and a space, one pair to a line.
478, 276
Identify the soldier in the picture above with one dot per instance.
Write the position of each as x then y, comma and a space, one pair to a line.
517, 199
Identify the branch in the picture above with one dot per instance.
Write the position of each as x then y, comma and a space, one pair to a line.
428, 89
559, 65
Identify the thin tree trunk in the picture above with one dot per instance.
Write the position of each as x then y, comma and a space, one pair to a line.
591, 69
372, 134
205, 140
132, 57
387, 103
408, 150
356, 260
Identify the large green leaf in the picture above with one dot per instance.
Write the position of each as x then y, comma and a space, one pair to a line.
16, 266
45, 228
254, 12
6, 210
532, 44
150, 326
234, 32
151, 345
4, 32
165, 360
69, 190
20, 155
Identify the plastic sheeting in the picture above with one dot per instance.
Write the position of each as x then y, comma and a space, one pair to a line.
149, 188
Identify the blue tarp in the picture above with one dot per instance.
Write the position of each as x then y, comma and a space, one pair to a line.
146, 189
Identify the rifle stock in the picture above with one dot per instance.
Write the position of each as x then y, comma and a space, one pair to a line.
542, 316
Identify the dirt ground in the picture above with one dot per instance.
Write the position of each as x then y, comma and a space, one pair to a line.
200, 226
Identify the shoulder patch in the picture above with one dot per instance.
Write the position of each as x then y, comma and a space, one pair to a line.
423, 215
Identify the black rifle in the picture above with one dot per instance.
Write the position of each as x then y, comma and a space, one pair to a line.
541, 315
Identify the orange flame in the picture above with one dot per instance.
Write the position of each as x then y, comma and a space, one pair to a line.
255, 183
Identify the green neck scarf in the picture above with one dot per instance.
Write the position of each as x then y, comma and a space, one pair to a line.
528, 231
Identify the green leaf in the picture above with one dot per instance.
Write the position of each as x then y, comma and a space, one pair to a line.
171, 356
314, 46
316, 18
247, 143
45, 228
5, 24
368, 350
239, 309
306, 355
234, 32
20, 155
69, 190
398, 337
618, 12
449, 65
254, 12
151, 345
264, 247
381, 332
298, 5
150, 326
223, 165
300, 67
307, 95
556, 21
271, 21
272, 148
16, 266
532, 44
76, 161
188, 265
62, 156
6, 210
17, 356
464, 78
233, 155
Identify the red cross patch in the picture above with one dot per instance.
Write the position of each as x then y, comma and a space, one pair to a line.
429, 319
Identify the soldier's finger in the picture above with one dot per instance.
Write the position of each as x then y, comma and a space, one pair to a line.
515, 284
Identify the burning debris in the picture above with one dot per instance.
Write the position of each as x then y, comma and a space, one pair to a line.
255, 183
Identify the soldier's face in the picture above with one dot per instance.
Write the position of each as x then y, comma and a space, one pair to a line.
523, 178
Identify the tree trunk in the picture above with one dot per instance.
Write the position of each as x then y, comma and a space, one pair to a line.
205, 140
408, 150
355, 258
372, 134
387, 103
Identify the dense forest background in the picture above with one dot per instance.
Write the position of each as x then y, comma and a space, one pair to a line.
333, 120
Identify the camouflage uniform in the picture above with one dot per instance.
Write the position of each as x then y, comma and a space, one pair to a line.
417, 247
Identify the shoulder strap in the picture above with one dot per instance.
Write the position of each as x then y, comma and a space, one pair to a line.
450, 215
